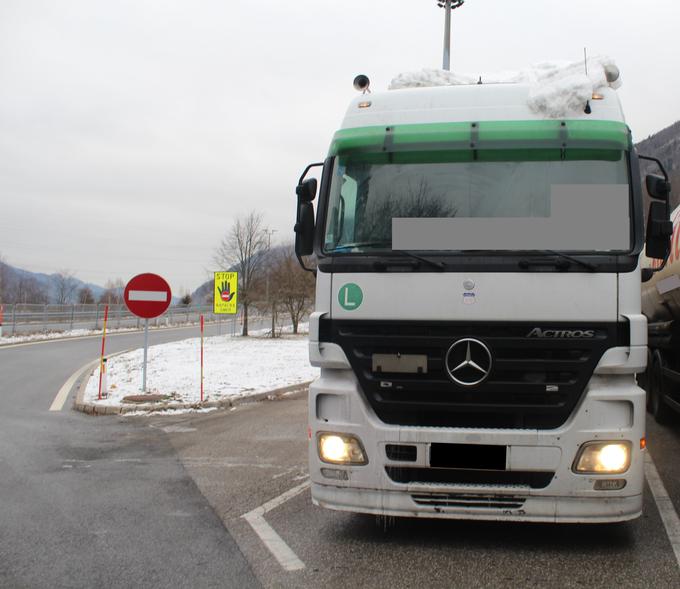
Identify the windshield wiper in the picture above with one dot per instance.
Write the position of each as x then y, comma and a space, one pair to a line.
349, 246
563, 263
434, 263
389, 252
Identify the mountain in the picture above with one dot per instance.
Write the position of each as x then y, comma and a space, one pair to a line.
665, 146
19, 285
203, 294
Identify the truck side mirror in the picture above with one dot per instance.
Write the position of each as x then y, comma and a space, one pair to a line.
304, 226
658, 187
659, 230
304, 229
659, 225
306, 191
304, 223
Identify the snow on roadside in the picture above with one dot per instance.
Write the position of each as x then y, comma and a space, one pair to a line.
233, 367
556, 88
36, 337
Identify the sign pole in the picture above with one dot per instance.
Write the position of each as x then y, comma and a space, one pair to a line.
146, 347
147, 296
201, 358
101, 358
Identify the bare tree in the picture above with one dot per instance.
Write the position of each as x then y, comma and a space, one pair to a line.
27, 289
85, 296
243, 249
113, 295
291, 286
263, 293
65, 286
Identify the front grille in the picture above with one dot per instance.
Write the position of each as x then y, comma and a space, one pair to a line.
455, 476
535, 383
468, 500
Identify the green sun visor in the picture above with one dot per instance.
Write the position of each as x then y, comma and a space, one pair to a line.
485, 141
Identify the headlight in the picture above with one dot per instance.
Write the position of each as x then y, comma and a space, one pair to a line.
603, 458
341, 449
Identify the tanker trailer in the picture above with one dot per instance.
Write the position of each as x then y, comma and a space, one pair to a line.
661, 305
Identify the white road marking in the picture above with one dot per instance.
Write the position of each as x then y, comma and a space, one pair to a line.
281, 551
62, 395
159, 296
669, 516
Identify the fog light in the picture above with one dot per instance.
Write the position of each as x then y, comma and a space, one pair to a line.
335, 473
603, 458
341, 449
609, 484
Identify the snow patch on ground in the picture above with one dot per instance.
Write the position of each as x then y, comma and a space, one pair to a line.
556, 88
233, 367
173, 412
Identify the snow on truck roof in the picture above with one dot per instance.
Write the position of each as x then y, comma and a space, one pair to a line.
545, 91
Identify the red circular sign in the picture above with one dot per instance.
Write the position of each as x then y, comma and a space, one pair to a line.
147, 295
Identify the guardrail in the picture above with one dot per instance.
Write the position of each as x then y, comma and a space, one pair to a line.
24, 319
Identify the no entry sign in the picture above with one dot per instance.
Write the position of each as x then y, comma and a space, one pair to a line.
147, 295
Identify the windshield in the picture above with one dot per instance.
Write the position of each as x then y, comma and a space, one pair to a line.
577, 205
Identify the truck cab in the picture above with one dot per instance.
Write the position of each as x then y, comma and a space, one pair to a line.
477, 321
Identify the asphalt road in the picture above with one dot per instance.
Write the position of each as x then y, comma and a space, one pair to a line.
159, 502
98, 502
242, 459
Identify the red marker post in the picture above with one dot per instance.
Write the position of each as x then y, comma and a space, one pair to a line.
201, 358
101, 358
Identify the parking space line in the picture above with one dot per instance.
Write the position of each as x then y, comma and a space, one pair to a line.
274, 543
669, 516
62, 395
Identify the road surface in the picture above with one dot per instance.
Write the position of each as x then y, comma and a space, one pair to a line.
221, 500
97, 502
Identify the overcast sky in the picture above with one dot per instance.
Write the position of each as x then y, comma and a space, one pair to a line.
133, 132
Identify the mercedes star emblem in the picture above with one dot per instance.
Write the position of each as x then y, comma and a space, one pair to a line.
468, 362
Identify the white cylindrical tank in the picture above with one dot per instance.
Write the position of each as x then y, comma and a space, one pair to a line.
661, 295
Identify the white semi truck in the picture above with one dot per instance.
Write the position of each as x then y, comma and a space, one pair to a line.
661, 306
478, 323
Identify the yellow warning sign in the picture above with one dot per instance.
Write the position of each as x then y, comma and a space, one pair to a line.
226, 289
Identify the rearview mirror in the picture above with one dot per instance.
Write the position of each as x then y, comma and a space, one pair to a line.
304, 229
306, 191
658, 187
659, 230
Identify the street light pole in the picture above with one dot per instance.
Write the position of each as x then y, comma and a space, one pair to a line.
448, 6
447, 35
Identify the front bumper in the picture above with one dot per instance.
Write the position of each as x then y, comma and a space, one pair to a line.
534, 509
611, 409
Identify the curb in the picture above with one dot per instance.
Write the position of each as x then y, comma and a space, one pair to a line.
93, 409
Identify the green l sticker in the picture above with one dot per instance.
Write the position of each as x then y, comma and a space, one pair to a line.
350, 296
